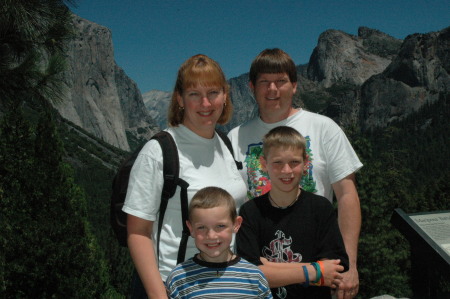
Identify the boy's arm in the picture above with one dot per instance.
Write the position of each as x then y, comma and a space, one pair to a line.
283, 274
349, 219
278, 274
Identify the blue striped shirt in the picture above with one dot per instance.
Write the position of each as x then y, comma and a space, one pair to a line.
198, 279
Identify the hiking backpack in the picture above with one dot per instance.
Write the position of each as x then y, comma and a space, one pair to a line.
171, 170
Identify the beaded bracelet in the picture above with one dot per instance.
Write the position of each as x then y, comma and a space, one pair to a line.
305, 271
317, 282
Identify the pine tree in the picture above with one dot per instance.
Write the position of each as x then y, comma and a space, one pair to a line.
47, 247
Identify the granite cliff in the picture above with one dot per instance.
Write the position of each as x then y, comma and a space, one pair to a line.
100, 97
365, 81
157, 103
341, 57
419, 74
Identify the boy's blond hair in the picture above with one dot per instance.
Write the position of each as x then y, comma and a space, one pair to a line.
284, 137
211, 197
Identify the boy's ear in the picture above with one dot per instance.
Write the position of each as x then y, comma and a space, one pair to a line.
237, 224
263, 162
190, 228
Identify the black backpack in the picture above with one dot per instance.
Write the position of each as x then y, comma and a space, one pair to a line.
171, 170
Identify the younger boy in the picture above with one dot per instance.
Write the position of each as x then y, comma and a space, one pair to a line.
215, 272
289, 225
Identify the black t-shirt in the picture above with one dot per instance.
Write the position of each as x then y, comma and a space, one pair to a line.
305, 232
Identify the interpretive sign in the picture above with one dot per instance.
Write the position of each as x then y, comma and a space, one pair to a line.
436, 226
429, 238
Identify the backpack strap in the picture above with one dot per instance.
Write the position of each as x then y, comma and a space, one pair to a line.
184, 217
227, 142
171, 169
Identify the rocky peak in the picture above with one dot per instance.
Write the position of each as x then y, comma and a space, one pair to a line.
420, 74
340, 57
423, 60
367, 79
157, 103
379, 43
100, 97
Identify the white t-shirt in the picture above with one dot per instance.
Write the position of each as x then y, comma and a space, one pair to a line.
330, 154
203, 162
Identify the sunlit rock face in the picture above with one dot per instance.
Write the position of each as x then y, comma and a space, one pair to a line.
100, 97
342, 57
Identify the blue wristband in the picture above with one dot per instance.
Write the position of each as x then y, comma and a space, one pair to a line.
305, 271
318, 273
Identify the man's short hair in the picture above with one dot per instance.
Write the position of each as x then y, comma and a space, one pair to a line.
273, 61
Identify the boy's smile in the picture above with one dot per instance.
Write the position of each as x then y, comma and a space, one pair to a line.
213, 231
285, 168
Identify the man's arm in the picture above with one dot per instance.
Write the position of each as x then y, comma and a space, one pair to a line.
349, 219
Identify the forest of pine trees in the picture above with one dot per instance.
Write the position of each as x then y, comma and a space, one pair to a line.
48, 248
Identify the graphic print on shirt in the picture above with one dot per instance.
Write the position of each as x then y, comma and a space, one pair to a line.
279, 251
258, 180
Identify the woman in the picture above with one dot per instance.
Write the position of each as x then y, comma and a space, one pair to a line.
200, 100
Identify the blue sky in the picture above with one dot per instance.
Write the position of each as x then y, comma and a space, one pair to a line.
152, 38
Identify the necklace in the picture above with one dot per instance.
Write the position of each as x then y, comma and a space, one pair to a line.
280, 207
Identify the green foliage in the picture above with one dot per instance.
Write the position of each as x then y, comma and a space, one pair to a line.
341, 88
48, 248
315, 101
133, 141
88, 157
32, 35
47, 241
407, 171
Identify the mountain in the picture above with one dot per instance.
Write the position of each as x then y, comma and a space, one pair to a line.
367, 80
342, 57
100, 97
417, 75
157, 103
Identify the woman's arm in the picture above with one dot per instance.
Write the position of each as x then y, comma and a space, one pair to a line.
141, 249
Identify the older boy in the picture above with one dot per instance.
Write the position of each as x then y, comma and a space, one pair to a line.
332, 160
289, 225
215, 272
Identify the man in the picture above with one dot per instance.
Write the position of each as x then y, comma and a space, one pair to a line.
333, 162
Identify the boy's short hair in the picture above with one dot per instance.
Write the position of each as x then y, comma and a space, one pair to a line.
273, 61
211, 197
284, 137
